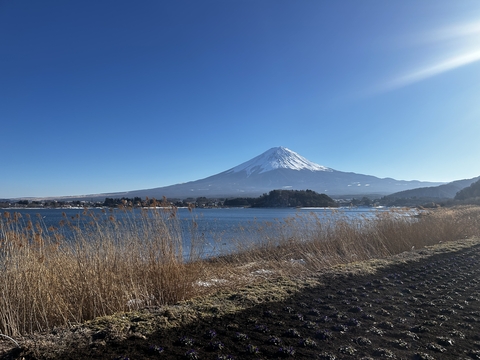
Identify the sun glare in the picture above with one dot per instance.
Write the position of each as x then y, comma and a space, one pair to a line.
435, 69
456, 32
457, 46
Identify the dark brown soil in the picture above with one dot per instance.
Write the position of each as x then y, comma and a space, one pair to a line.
427, 307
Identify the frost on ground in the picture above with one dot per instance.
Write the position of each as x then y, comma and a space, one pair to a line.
421, 304
211, 282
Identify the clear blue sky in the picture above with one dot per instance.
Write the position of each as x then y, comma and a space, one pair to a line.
112, 95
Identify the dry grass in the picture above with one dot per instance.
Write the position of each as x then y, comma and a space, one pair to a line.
130, 262
311, 242
110, 266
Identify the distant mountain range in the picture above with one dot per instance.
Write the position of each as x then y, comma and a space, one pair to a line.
445, 191
277, 168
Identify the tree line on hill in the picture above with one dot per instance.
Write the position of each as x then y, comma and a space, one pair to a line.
285, 198
470, 193
443, 195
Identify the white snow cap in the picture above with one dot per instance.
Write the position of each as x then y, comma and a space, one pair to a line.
277, 158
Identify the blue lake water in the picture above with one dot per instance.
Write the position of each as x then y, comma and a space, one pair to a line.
217, 227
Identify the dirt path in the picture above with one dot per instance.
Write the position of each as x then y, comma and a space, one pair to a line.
421, 306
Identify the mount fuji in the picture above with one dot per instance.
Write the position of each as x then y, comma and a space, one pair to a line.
278, 168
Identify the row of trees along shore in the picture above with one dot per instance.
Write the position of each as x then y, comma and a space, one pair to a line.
275, 198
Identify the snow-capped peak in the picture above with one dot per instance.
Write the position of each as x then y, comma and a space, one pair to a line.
277, 158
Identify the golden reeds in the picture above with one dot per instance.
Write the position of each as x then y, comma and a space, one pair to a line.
110, 264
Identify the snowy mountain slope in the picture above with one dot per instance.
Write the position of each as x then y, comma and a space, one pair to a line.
277, 158
279, 168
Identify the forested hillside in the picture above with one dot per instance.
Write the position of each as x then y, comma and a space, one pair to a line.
471, 192
285, 198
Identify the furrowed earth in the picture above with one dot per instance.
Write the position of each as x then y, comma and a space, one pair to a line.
422, 304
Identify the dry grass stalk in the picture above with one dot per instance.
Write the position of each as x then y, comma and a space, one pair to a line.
121, 264
312, 243
117, 265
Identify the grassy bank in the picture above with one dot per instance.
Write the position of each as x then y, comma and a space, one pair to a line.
132, 262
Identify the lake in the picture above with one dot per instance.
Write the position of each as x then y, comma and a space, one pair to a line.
218, 227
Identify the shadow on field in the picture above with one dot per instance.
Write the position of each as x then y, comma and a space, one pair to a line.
425, 308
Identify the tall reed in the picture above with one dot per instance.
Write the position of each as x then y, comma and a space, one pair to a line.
106, 265
314, 242
94, 265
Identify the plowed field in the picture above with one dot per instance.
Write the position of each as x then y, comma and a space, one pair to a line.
420, 305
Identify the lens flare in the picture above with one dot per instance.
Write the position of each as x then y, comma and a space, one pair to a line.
458, 46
